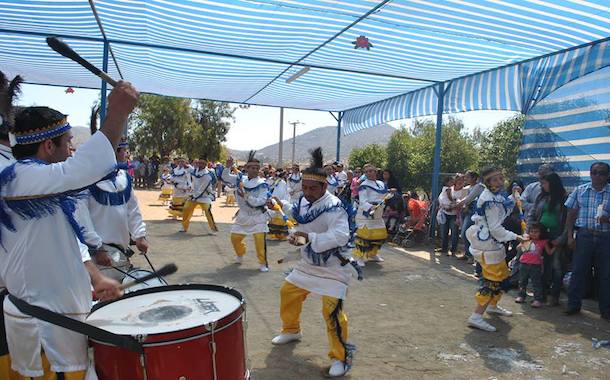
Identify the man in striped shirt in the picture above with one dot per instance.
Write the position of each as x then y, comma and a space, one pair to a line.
588, 211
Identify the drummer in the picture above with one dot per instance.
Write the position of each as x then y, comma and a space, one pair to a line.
323, 229
40, 234
115, 216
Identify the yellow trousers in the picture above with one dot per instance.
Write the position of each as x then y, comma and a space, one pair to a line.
368, 242
6, 373
291, 304
493, 275
260, 244
189, 209
175, 208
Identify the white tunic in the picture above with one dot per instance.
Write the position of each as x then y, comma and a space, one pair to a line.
487, 234
371, 193
332, 184
330, 230
44, 265
279, 189
203, 185
252, 195
6, 158
181, 178
295, 187
114, 224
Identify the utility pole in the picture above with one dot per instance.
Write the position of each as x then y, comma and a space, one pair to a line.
294, 135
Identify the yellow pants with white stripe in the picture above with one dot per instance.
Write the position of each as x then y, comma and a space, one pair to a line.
493, 275
368, 242
6, 373
260, 244
189, 209
291, 303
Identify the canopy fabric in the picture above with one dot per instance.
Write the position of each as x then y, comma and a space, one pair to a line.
244, 50
570, 129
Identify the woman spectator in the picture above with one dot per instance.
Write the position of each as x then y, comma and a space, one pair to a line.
395, 206
390, 181
447, 217
550, 212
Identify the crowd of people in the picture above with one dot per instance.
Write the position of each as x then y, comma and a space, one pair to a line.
68, 219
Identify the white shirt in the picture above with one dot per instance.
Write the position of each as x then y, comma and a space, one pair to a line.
203, 187
332, 184
371, 193
295, 186
114, 224
181, 178
44, 265
252, 195
328, 231
6, 159
342, 177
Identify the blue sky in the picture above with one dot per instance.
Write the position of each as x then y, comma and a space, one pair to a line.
263, 120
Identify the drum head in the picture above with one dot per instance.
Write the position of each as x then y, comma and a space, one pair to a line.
166, 309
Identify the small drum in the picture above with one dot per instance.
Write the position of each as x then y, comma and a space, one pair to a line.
189, 332
139, 273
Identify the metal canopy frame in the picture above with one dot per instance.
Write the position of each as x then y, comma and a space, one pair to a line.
440, 87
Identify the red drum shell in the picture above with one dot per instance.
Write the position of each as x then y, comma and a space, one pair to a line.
184, 354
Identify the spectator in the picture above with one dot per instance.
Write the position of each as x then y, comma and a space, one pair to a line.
588, 209
531, 191
390, 181
467, 205
447, 218
550, 212
355, 183
531, 264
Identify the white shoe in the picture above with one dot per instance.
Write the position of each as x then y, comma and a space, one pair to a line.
478, 322
286, 338
360, 263
239, 259
377, 259
499, 311
337, 369
264, 268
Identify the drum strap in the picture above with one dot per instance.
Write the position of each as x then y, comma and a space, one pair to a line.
86, 329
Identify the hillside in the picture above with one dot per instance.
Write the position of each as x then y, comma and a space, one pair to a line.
326, 137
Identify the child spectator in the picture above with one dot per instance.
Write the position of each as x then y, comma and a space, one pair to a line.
531, 264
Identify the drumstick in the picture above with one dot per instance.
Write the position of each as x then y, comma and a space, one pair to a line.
123, 272
166, 270
148, 260
62, 48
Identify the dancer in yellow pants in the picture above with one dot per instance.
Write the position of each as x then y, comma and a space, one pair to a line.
252, 217
323, 228
486, 238
371, 233
204, 182
181, 178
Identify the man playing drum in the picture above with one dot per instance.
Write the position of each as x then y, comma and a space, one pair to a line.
322, 230
115, 217
252, 194
39, 233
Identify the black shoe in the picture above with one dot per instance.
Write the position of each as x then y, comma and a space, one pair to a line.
572, 311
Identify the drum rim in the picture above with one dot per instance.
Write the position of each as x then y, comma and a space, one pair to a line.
158, 289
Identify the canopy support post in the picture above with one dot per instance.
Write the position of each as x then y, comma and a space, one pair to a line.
281, 144
436, 168
339, 135
104, 85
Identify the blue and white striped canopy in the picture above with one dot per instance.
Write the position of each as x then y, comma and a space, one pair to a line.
244, 50
569, 129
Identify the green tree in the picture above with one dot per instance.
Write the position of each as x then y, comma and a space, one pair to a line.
411, 152
158, 124
371, 153
205, 135
500, 146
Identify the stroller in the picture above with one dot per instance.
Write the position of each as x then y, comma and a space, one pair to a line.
413, 231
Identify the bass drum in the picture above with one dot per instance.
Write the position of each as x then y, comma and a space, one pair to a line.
139, 273
188, 332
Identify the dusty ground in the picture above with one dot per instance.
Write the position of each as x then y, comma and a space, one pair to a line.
407, 318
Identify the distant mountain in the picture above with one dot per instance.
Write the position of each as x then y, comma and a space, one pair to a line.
326, 137
80, 136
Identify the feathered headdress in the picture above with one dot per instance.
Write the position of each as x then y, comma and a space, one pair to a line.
315, 171
251, 159
95, 112
8, 92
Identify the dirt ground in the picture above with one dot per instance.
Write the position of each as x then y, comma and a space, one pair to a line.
407, 318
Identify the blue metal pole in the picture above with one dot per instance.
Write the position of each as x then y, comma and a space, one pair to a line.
339, 135
436, 168
104, 85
